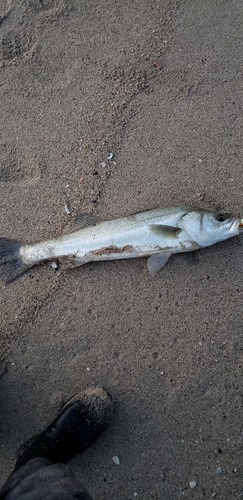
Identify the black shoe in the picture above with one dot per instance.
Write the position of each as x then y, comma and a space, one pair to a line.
78, 424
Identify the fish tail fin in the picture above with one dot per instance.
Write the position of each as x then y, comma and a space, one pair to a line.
11, 261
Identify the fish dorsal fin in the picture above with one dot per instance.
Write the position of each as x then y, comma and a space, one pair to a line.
157, 261
165, 231
81, 221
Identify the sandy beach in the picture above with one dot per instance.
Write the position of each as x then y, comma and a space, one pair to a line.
159, 85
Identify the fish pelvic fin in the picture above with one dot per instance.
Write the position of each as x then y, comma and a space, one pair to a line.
11, 262
157, 261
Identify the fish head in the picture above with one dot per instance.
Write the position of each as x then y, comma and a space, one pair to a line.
206, 227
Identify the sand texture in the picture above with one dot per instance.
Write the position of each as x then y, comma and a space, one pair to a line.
78, 81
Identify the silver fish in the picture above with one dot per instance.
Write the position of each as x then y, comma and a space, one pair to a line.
156, 233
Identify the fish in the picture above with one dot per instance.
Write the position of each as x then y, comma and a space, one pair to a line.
156, 233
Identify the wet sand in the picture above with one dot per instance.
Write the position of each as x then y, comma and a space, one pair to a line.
78, 81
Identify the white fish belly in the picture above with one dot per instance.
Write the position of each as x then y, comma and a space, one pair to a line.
131, 244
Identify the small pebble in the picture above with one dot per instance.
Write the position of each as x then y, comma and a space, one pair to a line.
54, 265
219, 470
103, 164
109, 156
67, 209
116, 460
193, 485
158, 64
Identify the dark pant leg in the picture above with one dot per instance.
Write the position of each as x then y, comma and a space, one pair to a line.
40, 479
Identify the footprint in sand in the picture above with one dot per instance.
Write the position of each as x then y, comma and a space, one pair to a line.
16, 45
20, 167
5, 9
51, 7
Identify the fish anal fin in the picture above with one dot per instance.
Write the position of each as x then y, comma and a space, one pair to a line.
165, 231
157, 261
70, 261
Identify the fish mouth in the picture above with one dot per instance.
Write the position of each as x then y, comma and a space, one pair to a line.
240, 226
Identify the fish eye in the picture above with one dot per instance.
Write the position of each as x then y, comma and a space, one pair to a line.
221, 218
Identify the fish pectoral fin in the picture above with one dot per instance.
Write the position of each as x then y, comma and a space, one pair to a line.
157, 261
165, 231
